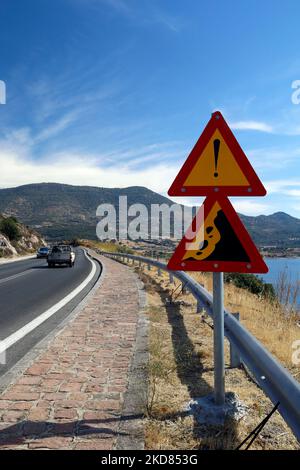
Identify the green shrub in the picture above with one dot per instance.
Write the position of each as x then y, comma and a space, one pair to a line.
10, 229
252, 283
124, 249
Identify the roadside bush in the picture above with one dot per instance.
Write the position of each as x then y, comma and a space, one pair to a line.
10, 229
124, 249
252, 283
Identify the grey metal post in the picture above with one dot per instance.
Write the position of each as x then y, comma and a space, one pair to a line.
218, 313
199, 306
171, 278
158, 272
149, 267
235, 360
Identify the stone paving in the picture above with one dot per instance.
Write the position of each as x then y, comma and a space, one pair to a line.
71, 397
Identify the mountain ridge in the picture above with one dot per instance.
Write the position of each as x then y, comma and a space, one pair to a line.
61, 211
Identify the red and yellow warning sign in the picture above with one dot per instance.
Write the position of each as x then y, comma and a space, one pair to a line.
217, 241
217, 165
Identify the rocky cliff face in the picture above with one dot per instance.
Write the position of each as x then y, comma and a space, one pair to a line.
17, 239
6, 248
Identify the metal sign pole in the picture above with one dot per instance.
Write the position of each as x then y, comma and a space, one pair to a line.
218, 313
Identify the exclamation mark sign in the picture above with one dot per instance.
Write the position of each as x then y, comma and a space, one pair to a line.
216, 153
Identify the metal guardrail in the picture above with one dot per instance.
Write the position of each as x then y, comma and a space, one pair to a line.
272, 377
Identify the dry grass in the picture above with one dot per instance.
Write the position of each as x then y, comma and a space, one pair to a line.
266, 320
181, 369
105, 246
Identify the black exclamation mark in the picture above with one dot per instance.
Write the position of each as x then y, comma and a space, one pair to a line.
216, 152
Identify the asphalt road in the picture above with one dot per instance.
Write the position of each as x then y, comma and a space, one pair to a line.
28, 289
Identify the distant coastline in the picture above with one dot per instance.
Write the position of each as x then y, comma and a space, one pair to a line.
280, 252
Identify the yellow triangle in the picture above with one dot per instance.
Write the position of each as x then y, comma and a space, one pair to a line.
228, 171
205, 240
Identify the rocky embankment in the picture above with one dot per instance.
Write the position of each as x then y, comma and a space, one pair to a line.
17, 239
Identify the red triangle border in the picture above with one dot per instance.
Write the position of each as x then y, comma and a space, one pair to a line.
256, 264
217, 121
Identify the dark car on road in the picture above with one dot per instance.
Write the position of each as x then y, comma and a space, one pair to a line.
61, 254
42, 252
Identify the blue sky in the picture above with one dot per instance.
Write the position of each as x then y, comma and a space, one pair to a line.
116, 92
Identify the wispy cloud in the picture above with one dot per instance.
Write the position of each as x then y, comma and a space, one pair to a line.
80, 169
140, 12
172, 23
250, 207
119, 5
293, 193
149, 154
283, 187
252, 126
57, 127
273, 158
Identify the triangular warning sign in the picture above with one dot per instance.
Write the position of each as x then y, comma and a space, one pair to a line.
217, 241
217, 165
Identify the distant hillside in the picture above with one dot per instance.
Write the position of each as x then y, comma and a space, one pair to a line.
65, 211
278, 229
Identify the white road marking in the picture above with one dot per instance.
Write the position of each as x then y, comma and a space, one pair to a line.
19, 334
15, 276
15, 260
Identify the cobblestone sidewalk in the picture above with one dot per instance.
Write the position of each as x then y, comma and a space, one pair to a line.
71, 397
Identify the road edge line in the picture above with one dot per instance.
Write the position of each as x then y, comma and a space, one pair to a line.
42, 317
29, 358
15, 260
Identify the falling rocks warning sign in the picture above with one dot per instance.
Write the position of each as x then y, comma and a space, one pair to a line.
217, 241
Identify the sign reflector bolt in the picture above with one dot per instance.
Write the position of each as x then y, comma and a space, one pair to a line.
248, 266
183, 264
216, 190
249, 190
183, 190
216, 265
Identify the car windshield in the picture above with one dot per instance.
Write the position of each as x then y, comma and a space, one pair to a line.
60, 249
56, 249
43, 249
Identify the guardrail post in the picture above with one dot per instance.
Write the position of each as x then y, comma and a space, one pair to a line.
199, 306
158, 272
171, 278
149, 267
183, 289
235, 360
140, 264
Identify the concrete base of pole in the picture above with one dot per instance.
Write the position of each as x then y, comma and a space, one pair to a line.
208, 413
